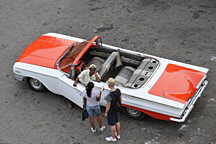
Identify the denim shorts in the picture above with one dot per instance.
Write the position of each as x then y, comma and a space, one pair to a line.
93, 110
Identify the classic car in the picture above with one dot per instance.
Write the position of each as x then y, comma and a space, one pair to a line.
160, 88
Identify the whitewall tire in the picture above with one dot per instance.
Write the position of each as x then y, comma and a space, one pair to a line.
36, 84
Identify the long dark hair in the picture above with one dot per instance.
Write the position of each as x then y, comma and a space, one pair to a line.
89, 88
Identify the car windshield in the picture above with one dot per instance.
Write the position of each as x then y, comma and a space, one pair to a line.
70, 56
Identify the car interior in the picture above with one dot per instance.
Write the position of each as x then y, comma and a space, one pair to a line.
111, 63
128, 69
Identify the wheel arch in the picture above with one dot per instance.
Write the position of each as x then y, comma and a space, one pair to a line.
149, 113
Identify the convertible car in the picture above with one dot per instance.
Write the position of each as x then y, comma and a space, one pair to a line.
160, 88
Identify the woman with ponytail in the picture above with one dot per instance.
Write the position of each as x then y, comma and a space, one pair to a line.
92, 98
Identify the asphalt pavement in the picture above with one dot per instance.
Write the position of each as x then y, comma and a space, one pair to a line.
181, 30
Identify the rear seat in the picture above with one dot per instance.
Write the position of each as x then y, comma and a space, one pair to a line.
124, 75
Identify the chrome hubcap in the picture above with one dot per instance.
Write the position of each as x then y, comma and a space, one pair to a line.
35, 83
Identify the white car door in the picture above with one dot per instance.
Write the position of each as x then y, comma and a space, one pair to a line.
72, 93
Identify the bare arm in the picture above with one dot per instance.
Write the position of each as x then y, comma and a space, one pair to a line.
76, 82
97, 76
107, 108
99, 96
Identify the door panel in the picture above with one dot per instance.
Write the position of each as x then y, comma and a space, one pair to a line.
72, 93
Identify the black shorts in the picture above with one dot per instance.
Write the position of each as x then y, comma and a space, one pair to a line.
113, 117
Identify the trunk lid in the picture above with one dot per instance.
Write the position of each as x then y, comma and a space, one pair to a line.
178, 83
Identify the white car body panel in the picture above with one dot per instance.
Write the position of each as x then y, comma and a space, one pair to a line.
56, 82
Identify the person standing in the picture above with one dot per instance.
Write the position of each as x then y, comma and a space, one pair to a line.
91, 98
112, 110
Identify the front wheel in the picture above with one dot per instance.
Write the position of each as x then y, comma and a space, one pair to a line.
36, 84
134, 113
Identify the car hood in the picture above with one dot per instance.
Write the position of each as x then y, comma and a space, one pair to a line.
45, 51
177, 83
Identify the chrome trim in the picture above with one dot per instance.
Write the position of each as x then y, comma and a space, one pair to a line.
58, 61
18, 77
199, 84
153, 73
191, 105
27, 75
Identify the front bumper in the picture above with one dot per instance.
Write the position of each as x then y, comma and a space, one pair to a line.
191, 103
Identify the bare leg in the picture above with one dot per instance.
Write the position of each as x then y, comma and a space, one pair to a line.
117, 125
92, 122
113, 131
99, 120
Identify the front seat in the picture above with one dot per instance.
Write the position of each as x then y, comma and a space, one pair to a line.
114, 57
98, 62
124, 75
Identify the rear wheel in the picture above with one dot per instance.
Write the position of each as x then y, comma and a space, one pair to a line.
134, 113
36, 84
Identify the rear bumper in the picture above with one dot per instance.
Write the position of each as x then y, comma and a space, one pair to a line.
191, 104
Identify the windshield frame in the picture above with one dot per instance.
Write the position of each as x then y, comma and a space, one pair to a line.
76, 51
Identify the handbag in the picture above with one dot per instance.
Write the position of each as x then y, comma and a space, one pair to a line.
85, 114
